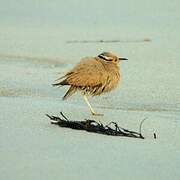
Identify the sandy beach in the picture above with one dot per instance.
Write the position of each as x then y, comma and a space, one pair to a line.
36, 48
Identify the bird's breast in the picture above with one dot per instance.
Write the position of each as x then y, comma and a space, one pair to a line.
112, 80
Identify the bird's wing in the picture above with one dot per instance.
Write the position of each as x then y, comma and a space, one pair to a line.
87, 73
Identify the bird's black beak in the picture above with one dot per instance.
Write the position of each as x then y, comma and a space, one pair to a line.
123, 59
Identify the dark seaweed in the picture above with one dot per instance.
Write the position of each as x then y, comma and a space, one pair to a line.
112, 129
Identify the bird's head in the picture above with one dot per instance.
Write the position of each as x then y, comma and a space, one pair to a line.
108, 56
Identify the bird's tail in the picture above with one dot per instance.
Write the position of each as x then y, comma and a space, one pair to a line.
70, 92
62, 83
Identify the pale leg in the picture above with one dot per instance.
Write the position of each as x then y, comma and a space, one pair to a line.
90, 107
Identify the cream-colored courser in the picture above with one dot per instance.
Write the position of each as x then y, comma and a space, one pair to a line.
92, 76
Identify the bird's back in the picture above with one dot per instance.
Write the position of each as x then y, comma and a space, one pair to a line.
89, 72
92, 76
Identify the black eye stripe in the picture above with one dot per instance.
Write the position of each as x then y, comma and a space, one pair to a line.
102, 57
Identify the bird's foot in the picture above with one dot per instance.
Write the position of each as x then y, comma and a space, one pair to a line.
96, 114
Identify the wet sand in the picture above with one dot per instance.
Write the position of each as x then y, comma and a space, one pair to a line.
33, 148
32, 57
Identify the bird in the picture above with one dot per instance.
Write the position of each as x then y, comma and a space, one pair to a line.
92, 76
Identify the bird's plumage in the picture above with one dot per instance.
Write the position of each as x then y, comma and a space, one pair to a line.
92, 75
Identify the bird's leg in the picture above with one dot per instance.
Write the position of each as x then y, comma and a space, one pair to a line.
90, 107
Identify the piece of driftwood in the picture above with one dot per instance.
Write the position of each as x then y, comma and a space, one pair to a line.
93, 126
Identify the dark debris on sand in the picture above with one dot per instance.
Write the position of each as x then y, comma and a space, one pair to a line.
93, 126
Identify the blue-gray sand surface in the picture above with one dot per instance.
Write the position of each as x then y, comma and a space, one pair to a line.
34, 51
